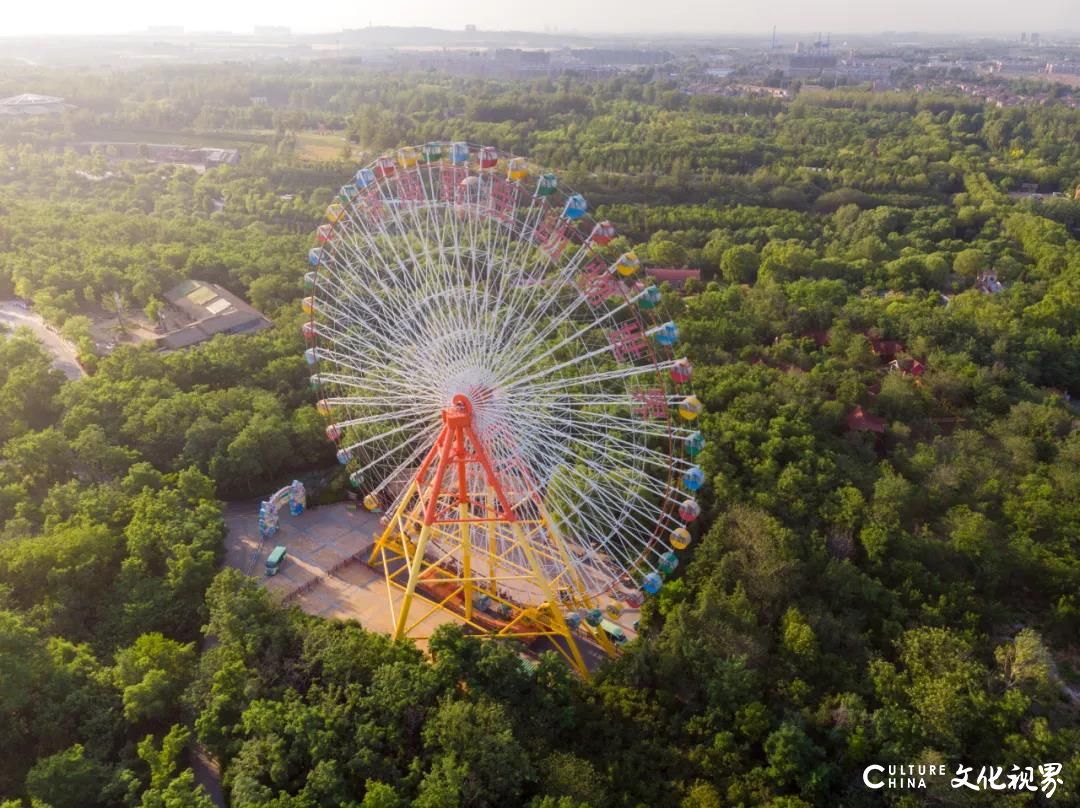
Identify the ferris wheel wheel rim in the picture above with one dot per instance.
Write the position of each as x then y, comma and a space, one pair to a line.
385, 178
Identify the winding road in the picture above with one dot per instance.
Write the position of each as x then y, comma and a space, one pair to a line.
14, 314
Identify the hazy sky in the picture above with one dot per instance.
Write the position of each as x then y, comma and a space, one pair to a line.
584, 16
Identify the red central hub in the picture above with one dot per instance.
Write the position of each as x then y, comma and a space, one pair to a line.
459, 415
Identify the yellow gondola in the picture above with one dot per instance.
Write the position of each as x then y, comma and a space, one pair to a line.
627, 264
408, 157
690, 408
517, 169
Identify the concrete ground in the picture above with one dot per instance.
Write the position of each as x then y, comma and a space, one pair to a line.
321, 539
317, 541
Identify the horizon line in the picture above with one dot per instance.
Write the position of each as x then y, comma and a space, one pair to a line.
287, 30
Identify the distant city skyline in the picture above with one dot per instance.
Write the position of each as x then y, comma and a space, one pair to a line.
72, 17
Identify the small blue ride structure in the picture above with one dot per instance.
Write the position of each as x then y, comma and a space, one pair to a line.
294, 494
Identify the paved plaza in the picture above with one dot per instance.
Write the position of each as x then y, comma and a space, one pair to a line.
318, 576
318, 541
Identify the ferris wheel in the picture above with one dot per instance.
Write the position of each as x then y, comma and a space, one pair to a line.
501, 386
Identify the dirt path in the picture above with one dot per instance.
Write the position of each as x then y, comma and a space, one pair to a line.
14, 315
207, 774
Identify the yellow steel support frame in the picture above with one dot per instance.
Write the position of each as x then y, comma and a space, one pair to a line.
553, 604
427, 498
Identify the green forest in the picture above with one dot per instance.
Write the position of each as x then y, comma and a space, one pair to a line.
900, 595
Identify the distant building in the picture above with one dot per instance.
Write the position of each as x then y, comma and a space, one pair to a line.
208, 309
886, 349
219, 157
621, 56
516, 56
868, 70
1064, 68
859, 421
908, 367
812, 61
31, 104
161, 153
209, 157
1018, 68
809, 65
760, 90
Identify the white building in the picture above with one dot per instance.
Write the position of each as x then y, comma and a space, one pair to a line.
200, 310
31, 104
